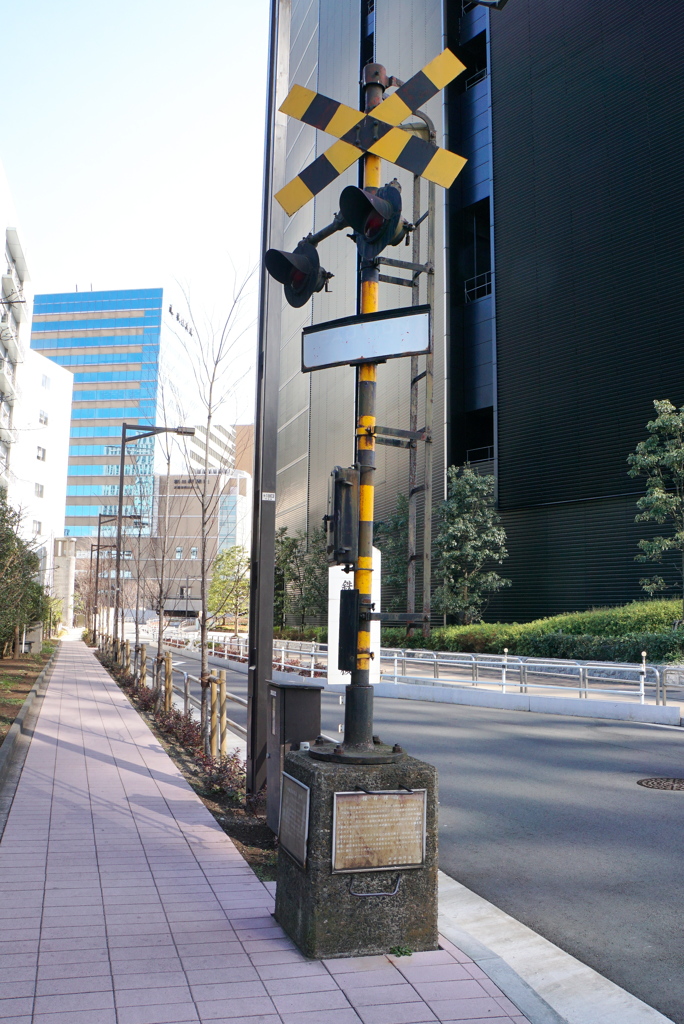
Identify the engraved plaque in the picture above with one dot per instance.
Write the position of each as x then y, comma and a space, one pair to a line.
294, 818
379, 831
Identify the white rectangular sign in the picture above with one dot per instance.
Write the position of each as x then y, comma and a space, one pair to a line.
369, 338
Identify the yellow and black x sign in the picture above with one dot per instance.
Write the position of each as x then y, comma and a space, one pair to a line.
375, 133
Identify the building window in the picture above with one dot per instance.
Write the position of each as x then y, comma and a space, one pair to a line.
179, 552
46, 382
193, 552
37, 526
39, 490
40, 454
43, 417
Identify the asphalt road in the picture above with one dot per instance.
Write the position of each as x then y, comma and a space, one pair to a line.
541, 815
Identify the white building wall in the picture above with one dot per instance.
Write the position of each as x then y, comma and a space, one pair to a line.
15, 320
40, 453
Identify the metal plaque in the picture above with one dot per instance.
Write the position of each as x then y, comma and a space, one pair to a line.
369, 338
294, 818
379, 831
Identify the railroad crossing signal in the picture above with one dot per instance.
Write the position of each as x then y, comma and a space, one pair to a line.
375, 133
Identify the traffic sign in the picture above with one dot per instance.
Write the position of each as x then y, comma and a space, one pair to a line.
368, 338
375, 133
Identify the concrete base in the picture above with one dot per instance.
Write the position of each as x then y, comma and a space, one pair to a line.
321, 910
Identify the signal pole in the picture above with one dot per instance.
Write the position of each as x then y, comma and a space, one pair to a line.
358, 711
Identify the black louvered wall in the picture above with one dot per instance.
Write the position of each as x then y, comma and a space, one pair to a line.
588, 151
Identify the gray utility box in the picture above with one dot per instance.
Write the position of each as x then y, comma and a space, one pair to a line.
294, 716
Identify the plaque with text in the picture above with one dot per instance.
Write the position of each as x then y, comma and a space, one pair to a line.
294, 818
379, 831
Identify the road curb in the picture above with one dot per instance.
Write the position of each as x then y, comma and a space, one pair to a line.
19, 735
548, 985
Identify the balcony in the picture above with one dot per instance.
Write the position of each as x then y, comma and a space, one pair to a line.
478, 287
7, 387
9, 335
8, 434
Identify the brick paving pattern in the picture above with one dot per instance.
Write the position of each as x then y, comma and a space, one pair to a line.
123, 902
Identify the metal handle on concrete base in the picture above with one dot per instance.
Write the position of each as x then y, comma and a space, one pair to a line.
393, 893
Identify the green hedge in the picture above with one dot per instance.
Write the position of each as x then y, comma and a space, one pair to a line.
603, 634
317, 633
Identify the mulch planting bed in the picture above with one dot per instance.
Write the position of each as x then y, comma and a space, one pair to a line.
17, 676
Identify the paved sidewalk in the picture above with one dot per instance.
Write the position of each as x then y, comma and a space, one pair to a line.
123, 902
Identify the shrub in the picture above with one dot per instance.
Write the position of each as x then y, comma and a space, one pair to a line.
146, 698
181, 726
642, 625
317, 634
225, 775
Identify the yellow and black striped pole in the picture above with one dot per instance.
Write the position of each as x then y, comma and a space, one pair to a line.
358, 712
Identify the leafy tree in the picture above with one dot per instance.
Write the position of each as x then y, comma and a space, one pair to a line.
23, 601
307, 592
660, 458
229, 587
469, 539
315, 590
301, 576
391, 536
284, 554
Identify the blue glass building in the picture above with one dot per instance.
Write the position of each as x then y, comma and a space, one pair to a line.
109, 340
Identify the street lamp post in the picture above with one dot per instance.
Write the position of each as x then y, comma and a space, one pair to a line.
100, 520
142, 432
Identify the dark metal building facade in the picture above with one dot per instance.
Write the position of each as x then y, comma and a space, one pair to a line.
558, 273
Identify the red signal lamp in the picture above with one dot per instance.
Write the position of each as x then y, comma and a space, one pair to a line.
300, 272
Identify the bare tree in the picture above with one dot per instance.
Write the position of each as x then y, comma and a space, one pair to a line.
213, 353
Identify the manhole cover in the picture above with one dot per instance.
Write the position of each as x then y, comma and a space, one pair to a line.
661, 783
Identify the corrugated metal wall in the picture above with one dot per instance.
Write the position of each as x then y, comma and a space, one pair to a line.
317, 410
587, 106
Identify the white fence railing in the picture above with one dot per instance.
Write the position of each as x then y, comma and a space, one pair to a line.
421, 667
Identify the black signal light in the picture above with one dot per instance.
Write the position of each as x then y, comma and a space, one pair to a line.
300, 272
375, 217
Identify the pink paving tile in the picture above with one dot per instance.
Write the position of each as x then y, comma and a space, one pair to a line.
63, 986
487, 1020
172, 978
237, 1009
457, 954
18, 989
311, 983
314, 1017
68, 1002
379, 994
228, 990
76, 1017
396, 1013
465, 1009
292, 970
386, 975
436, 972
163, 1014
507, 1006
320, 1001
432, 990
153, 996
259, 1018
347, 965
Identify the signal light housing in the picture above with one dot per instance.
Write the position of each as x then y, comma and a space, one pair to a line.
300, 272
375, 218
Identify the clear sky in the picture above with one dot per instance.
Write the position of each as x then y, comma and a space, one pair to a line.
133, 139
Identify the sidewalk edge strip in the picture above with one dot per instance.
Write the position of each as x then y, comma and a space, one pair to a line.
22, 729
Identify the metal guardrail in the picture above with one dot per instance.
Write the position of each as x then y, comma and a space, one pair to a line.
510, 672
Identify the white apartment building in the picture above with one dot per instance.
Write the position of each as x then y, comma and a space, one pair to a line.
15, 320
35, 404
40, 453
